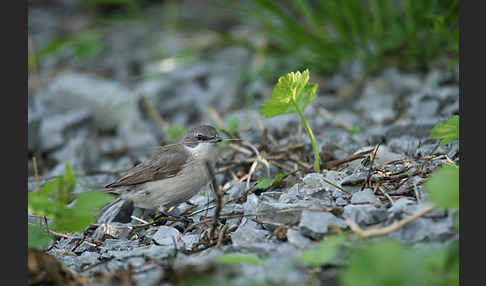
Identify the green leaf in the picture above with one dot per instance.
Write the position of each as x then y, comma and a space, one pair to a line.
384, 263
238, 259
69, 179
264, 184
292, 90
40, 203
321, 254
355, 130
37, 237
447, 131
443, 187
82, 213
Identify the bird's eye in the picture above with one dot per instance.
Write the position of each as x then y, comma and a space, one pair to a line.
199, 137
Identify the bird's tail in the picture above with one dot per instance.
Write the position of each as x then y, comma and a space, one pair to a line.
118, 210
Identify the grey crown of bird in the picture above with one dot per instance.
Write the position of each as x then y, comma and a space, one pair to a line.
171, 175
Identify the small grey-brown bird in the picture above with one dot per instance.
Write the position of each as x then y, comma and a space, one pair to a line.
171, 175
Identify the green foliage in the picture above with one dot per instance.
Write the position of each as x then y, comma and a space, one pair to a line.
392, 263
321, 34
37, 237
447, 131
82, 46
355, 130
292, 94
264, 184
238, 259
324, 252
443, 187
52, 201
175, 132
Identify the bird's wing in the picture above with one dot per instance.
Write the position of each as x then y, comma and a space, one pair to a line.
162, 164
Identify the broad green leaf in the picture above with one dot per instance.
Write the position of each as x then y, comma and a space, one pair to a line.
238, 259
447, 131
267, 183
384, 263
321, 254
291, 90
443, 187
82, 213
37, 237
40, 204
69, 179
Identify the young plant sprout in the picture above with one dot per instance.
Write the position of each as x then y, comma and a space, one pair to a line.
292, 94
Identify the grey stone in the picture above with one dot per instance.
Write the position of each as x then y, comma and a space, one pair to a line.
80, 152
251, 204
120, 244
111, 103
419, 129
236, 191
246, 236
365, 196
378, 101
404, 144
364, 214
158, 252
294, 237
341, 202
53, 128
314, 224
34, 142
425, 229
167, 236
400, 206
136, 262
150, 277
279, 213
424, 110
314, 180
291, 195
190, 240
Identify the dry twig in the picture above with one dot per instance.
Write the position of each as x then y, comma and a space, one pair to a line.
388, 229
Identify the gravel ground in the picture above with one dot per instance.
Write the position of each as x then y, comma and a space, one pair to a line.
92, 115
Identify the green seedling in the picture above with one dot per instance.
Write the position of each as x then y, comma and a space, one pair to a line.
54, 200
447, 131
264, 184
292, 94
443, 187
324, 252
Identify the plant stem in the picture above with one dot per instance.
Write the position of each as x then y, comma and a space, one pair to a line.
317, 160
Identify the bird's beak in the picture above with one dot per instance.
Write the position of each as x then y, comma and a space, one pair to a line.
216, 139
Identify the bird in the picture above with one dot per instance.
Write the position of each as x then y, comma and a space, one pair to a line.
171, 175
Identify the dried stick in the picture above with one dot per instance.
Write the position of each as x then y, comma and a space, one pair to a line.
219, 199
336, 163
373, 156
336, 186
152, 111
388, 229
